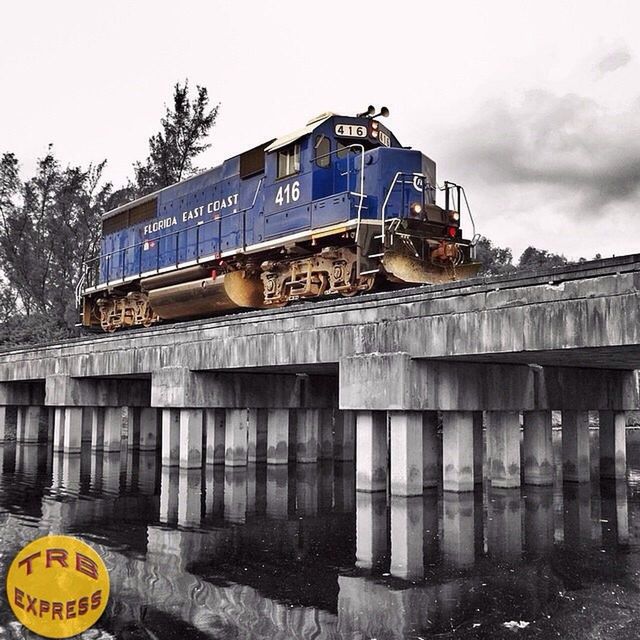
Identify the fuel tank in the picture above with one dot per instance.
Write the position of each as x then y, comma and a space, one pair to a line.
173, 300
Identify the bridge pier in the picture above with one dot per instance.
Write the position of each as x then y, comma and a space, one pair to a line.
431, 449
538, 448
457, 451
278, 427
307, 437
371, 447
576, 464
257, 437
504, 436
170, 437
407, 460
190, 443
215, 430
344, 435
28, 423
613, 444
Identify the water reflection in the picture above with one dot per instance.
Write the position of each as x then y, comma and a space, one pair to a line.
296, 552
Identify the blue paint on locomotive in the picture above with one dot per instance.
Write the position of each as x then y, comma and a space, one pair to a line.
217, 212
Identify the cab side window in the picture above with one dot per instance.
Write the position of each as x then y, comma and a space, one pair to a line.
323, 149
343, 149
288, 160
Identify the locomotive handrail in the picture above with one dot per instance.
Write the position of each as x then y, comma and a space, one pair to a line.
388, 196
122, 252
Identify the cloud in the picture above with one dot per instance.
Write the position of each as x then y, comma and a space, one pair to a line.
567, 146
613, 61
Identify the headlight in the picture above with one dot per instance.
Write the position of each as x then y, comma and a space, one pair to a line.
416, 209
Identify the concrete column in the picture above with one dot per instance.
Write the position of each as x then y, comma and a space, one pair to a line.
148, 418
87, 415
430, 449
457, 450
170, 437
278, 436
308, 435
97, 428
478, 448
215, 429
613, 444
504, 433
58, 429
371, 530
236, 438
112, 429
3, 423
458, 529
371, 451
407, 560
30, 423
345, 436
190, 438
133, 427
575, 446
326, 418
406, 453
257, 435
538, 448
72, 438
20, 423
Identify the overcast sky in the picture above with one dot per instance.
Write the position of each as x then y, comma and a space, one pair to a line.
533, 106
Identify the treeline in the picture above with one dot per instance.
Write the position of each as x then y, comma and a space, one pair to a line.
50, 222
497, 260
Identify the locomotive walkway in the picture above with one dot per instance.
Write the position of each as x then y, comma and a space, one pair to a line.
325, 379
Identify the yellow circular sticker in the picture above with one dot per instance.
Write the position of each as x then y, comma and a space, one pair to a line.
57, 586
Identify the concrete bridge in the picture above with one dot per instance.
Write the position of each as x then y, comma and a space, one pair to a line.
333, 379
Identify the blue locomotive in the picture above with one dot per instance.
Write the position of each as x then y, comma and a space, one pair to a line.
332, 208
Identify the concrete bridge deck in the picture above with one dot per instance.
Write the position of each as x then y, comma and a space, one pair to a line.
332, 378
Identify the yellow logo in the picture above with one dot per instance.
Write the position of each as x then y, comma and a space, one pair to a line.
57, 586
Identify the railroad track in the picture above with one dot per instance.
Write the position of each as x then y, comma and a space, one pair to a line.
517, 279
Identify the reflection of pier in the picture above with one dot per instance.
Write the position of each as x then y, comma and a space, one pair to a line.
261, 534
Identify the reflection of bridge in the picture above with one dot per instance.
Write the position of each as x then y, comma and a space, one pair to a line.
239, 526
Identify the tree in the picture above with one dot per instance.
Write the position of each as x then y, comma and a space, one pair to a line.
173, 149
494, 259
533, 258
49, 225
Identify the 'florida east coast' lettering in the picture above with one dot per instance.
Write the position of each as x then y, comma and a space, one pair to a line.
215, 206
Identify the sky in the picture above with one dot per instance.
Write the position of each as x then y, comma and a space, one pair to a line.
533, 106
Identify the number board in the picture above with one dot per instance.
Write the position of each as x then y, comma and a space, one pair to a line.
351, 130
384, 138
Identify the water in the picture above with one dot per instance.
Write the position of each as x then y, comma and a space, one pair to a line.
295, 553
